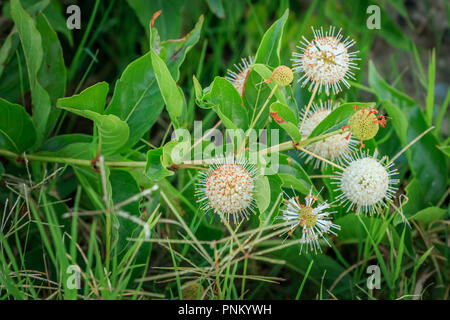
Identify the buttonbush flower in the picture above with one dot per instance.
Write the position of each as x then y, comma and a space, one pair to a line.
332, 148
239, 77
366, 184
325, 60
314, 222
227, 187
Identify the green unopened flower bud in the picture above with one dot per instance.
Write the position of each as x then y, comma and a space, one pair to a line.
363, 125
282, 76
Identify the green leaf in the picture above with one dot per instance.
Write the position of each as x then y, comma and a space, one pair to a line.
76, 150
386, 92
351, 229
113, 131
338, 118
30, 6
59, 142
175, 152
168, 24
401, 248
430, 88
262, 193
398, 119
275, 192
123, 187
427, 163
415, 198
173, 96
174, 52
422, 259
6, 50
32, 47
13, 81
216, 7
300, 289
286, 119
268, 53
294, 176
17, 131
52, 75
55, 15
290, 181
429, 214
228, 104
92, 98
155, 169
445, 150
269, 48
256, 94
136, 98
90, 103
421, 72
442, 113
197, 89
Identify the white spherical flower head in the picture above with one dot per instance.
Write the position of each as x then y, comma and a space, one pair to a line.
366, 184
333, 148
227, 189
239, 77
325, 60
314, 222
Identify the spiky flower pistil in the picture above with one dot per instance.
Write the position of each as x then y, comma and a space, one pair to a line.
332, 148
325, 60
366, 184
314, 222
227, 187
239, 77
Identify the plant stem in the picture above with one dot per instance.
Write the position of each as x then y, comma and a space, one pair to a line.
309, 105
80, 162
275, 87
321, 137
206, 135
279, 147
321, 158
243, 278
107, 211
323, 176
411, 143
288, 145
187, 166
292, 145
